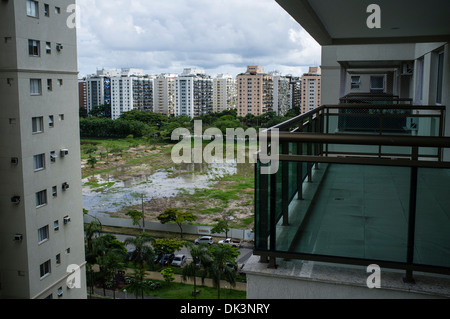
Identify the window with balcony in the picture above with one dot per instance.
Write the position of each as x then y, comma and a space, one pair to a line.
32, 8
377, 84
33, 47
356, 82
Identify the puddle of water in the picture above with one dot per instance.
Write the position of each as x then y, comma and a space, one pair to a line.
128, 189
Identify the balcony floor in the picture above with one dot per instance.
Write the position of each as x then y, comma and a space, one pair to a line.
362, 212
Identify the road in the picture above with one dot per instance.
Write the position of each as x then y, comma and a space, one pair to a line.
246, 252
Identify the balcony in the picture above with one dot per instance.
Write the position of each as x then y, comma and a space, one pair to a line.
358, 184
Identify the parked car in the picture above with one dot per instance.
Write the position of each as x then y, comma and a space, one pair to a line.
158, 258
166, 259
179, 260
204, 239
232, 242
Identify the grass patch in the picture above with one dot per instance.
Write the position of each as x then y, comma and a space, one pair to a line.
184, 291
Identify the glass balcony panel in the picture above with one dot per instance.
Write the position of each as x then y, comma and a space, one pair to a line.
432, 232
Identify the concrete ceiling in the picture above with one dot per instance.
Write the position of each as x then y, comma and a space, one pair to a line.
334, 22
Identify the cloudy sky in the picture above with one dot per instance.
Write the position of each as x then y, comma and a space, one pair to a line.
166, 36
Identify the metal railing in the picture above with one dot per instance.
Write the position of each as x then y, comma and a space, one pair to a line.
313, 138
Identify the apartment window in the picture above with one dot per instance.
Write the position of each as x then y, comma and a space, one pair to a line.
58, 259
39, 162
41, 198
440, 77
56, 225
32, 8
51, 121
35, 87
46, 10
48, 47
49, 85
356, 82
37, 124
60, 82
377, 84
61, 117
42, 234
33, 47
54, 191
57, 10
45, 269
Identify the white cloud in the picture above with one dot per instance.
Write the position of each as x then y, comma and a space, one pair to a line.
168, 35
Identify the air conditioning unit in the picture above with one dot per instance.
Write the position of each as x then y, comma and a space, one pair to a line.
15, 200
66, 220
53, 157
65, 186
64, 152
14, 160
59, 47
18, 237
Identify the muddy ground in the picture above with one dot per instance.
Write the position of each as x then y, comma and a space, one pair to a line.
231, 196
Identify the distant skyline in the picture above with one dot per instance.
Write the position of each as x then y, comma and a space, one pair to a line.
166, 36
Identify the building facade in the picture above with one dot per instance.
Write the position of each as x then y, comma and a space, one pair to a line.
311, 89
163, 94
193, 93
224, 93
41, 220
282, 98
255, 92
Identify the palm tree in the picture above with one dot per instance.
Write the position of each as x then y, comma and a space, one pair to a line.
222, 265
200, 258
143, 253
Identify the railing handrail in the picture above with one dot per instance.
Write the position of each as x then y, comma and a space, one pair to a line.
386, 140
309, 114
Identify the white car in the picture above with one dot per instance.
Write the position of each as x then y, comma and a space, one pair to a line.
204, 239
179, 260
232, 242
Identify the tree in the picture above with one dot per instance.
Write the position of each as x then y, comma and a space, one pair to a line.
107, 249
222, 265
167, 273
136, 216
196, 267
167, 245
143, 253
222, 225
92, 161
174, 215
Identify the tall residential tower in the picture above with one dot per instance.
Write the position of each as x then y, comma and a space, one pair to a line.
41, 219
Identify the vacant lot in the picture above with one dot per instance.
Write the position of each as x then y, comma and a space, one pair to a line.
230, 195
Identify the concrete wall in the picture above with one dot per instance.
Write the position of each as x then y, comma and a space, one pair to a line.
156, 226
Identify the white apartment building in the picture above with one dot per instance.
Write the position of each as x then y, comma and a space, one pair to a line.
163, 94
193, 93
282, 99
124, 90
41, 220
224, 93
